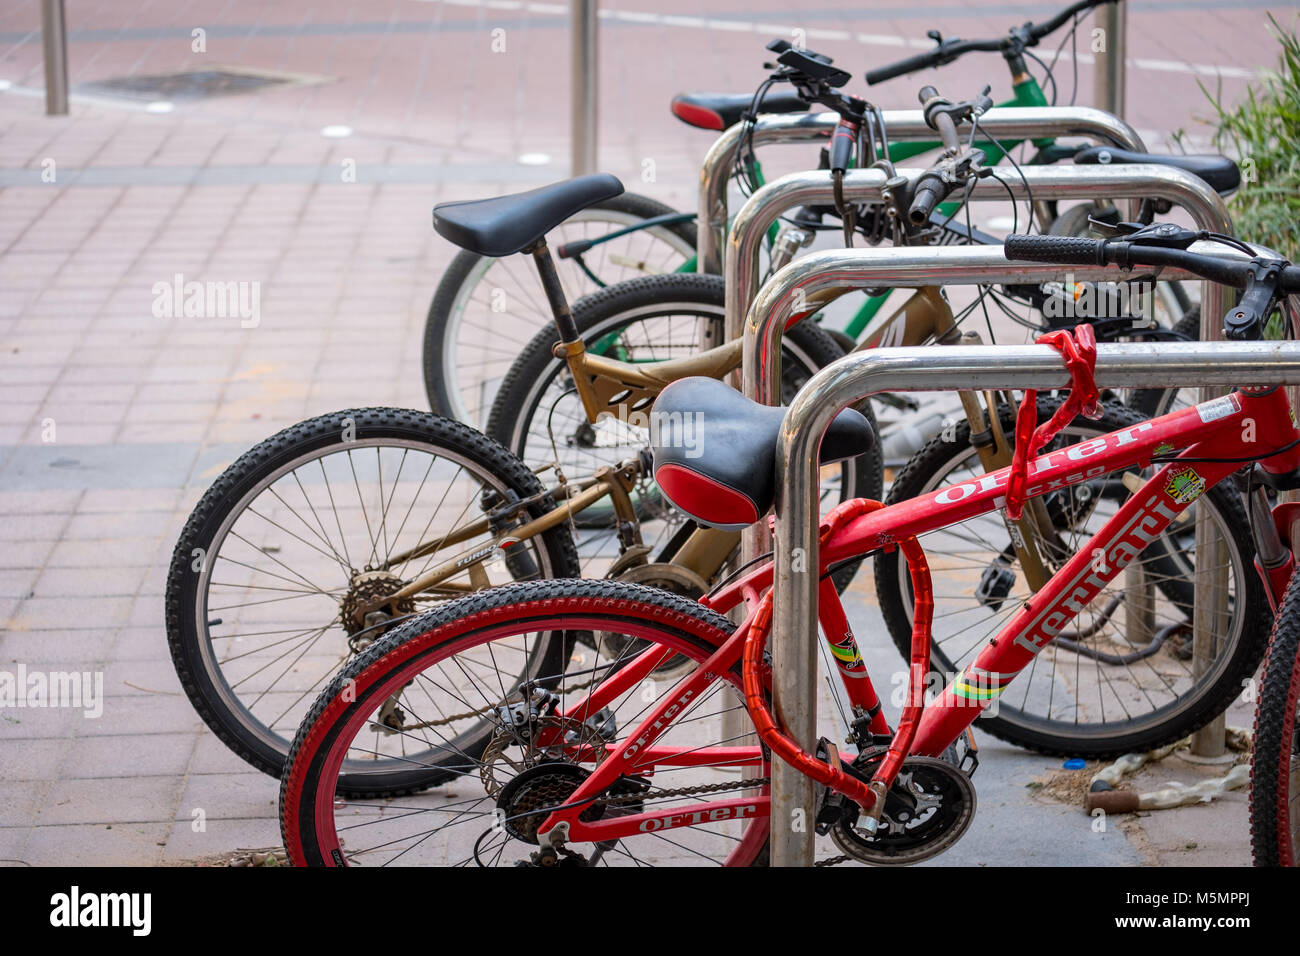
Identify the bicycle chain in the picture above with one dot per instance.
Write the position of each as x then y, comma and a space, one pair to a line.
699, 790
709, 788
683, 791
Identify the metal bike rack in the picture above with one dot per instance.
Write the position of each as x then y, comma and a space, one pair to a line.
1001, 123
857, 376
867, 185
763, 343
763, 340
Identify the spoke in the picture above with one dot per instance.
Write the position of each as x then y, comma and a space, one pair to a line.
343, 539
323, 534
356, 483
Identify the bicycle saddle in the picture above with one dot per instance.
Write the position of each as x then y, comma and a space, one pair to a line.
1219, 172
715, 450
509, 224
723, 110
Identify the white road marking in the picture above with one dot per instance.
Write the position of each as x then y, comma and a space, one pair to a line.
866, 39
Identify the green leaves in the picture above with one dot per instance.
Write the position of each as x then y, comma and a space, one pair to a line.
1263, 131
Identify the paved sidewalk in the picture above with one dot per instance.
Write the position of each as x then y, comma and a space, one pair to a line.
114, 420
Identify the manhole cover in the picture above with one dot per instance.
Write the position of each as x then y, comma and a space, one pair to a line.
196, 84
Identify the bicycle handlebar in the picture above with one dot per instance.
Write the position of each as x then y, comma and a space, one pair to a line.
1079, 251
945, 52
948, 50
929, 193
1054, 24
1263, 279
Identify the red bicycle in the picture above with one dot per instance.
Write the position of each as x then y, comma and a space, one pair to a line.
589, 757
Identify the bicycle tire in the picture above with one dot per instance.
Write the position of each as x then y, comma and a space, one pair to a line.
237, 490
307, 802
1185, 713
442, 367
1275, 759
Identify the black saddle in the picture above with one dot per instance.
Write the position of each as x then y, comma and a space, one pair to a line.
723, 110
715, 450
510, 224
1219, 172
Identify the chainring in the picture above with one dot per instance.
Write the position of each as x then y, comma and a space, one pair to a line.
929, 808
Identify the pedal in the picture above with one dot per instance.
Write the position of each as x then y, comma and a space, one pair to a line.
830, 805
970, 760
827, 752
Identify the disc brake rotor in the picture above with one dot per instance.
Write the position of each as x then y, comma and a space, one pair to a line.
562, 735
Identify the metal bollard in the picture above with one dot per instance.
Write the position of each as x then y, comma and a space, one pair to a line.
584, 73
54, 40
1110, 73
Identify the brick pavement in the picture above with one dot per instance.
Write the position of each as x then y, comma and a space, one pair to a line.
113, 420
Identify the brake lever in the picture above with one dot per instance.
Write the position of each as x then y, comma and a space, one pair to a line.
1160, 235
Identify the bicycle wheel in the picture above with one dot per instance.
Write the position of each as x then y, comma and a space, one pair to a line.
643, 320
267, 583
1275, 760
1123, 679
482, 656
484, 308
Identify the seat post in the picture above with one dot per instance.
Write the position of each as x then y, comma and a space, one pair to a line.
570, 348
554, 291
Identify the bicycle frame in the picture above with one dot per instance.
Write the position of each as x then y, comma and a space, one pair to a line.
1212, 429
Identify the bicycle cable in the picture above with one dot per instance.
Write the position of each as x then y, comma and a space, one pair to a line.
1073, 37
1029, 190
1048, 75
1166, 459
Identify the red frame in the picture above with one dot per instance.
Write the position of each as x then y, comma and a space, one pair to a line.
1214, 429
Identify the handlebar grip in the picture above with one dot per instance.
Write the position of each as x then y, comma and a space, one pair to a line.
928, 195
902, 67
1062, 250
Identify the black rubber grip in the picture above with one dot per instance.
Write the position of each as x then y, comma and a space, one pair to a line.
923, 202
1063, 250
902, 67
